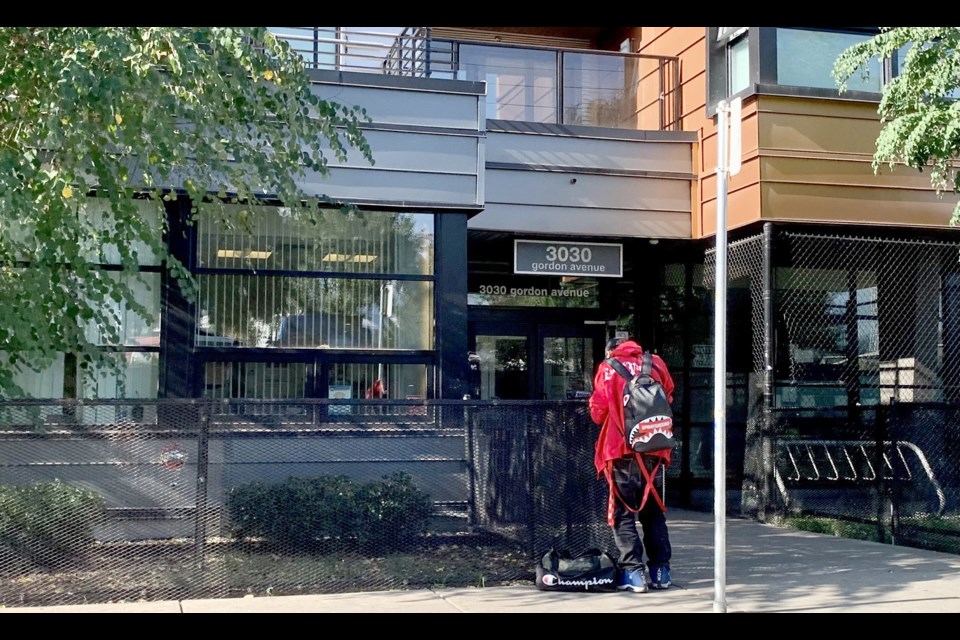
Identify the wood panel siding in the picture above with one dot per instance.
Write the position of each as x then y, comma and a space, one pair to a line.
689, 45
817, 166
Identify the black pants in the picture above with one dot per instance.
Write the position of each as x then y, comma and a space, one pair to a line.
629, 483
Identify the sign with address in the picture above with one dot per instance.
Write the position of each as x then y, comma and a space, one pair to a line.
542, 257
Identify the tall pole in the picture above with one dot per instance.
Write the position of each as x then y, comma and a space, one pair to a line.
728, 164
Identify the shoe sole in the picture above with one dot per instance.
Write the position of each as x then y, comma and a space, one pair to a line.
661, 586
632, 588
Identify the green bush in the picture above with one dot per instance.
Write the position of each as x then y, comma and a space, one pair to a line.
392, 514
49, 522
298, 511
380, 516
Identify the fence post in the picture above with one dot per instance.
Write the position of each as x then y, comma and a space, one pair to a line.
200, 534
879, 431
468, 417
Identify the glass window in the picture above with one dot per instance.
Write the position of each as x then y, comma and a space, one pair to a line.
98, 242
828, 322
371, 312
132, 329
255, 380
139, 378
46, 383
316, 45
738, 60
521, 83
600, 90
275, 238
145, 223
338, 313
378, 381
805, 58
901, 55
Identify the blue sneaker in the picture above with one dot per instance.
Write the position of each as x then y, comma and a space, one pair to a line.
660, 577
633, 581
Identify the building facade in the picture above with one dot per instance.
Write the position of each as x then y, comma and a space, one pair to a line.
538, 190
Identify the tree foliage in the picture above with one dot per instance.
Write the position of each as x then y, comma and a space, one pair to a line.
919, 110
137, 116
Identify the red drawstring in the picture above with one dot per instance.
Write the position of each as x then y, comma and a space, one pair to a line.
649, 488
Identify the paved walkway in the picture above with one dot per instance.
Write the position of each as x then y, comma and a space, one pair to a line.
768, 570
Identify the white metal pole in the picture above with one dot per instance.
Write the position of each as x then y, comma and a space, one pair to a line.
720, 369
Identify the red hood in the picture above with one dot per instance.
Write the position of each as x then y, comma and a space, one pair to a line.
627, 349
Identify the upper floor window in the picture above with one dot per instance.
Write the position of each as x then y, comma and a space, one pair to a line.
784, 60
805, 58
738, 60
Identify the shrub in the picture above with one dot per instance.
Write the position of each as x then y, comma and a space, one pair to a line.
298, 511
381, 516
49, 522
392, 514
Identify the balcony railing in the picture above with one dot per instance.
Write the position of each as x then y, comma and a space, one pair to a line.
524, 83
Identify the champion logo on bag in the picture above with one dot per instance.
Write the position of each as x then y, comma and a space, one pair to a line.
551, 580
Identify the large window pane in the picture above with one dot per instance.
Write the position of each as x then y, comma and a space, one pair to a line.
271, 238
132, 328
378, 381
338, 313
805, 58
146, 222
138, 379
600, 90
521, 83
829, 339
255, 380
46, 383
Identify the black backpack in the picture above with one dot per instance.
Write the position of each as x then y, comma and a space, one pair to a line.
647, 415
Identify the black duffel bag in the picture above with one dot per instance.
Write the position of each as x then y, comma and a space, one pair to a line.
591, 570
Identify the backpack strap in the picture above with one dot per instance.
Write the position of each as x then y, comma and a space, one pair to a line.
645, 371
619, 368
647, 364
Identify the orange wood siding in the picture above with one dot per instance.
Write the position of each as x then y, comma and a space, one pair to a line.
689, 45
817, 166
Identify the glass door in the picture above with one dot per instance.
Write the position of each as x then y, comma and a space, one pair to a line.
535, 361
504, 367
570, 355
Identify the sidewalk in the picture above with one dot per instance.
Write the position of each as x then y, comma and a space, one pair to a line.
768, 570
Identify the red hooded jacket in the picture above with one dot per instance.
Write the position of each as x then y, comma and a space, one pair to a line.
606, 402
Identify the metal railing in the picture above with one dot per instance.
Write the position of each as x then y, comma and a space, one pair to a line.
390, 50
561, 86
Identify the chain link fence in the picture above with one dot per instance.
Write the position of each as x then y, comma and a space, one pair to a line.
851, 385
155, 500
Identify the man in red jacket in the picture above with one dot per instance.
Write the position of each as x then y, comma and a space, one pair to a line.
629, 500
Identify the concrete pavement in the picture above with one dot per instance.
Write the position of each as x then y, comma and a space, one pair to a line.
768, 570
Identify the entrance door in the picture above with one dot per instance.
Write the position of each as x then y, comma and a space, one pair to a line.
525, 361
505, 362
569, 356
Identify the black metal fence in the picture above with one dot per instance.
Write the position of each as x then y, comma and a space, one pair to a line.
109, 500
848, 351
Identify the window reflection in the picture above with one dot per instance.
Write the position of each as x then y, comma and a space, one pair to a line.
334, 313
600, 90
278, 238
521, 83
805, 58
